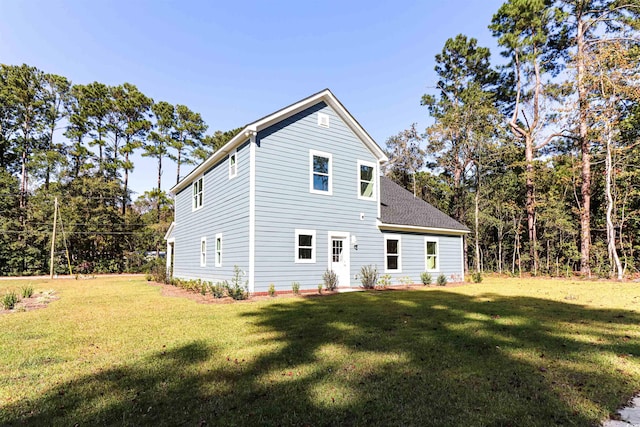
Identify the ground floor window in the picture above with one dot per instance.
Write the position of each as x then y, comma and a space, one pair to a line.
392, 260
431, 254
305, 246
203, 252
218, 250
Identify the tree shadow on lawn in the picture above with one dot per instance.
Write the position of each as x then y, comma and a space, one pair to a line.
392, 358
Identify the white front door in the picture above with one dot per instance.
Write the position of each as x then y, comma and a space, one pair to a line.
339, 258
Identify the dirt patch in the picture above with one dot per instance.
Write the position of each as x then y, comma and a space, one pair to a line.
174, 291
36, 301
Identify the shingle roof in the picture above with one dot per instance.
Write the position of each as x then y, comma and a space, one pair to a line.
398, 206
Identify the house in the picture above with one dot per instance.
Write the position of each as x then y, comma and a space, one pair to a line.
298, 192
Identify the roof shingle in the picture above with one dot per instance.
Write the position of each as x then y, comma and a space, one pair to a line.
398, 206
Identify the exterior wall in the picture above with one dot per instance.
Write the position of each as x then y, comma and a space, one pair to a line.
284, 202
225, 209
413, 257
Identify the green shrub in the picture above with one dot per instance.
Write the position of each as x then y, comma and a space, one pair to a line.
158, 271
319, 288
218, 289
442, 280
203, 287
426, 278
406, 280
385, 280
368, 276
27, 291
330, 279
295, 287
237, 289
476, 277
272, 290
10, 300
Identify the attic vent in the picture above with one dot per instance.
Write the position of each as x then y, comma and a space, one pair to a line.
323, 120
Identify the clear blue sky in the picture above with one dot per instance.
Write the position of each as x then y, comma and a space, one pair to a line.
235, 61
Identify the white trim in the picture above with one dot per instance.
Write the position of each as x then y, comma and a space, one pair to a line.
296, 246
233, 169
373, 178
218, 252
462, 257
252, 211
171, 244
397, 237
435, 240
401, 227
170, 232
323, 120
203, 253
193, 196
346, 248
329, 156
278, 116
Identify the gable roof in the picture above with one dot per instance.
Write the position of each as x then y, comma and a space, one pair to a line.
252, 128
400, 209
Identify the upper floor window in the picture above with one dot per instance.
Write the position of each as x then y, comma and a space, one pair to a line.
431, 262
320, 171
233, 164
366, 180
392, 260
197, 193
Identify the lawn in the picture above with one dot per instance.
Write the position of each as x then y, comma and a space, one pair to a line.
505, 352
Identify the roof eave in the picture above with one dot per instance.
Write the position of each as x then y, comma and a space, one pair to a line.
414, 228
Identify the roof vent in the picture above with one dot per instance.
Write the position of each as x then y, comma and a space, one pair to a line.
323, 120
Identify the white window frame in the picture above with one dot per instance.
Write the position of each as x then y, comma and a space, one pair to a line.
203, 252
218, 250
329, 191
437, 254
323, 120
194, 196
298, 233
233, 168
374, 177
399, 239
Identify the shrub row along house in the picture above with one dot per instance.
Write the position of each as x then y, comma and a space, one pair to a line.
299, 192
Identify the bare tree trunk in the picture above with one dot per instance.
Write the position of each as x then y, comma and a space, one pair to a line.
159, 184
178, 169
611, 231
531, 208
477, 224
585, 148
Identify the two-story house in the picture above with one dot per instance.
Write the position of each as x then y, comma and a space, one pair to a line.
299, 192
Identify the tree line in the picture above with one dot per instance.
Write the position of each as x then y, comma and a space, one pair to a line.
537, 152
75, 142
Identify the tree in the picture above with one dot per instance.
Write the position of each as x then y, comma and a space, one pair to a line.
189, 130
212, 143
160, 136
94, 106
406, 157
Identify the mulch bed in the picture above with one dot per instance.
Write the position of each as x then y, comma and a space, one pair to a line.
36, 301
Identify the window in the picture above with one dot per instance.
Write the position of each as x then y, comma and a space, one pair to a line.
203, 252
392, 261
320, 172
197, 194
323, 120
366, 180
218, 250
305, 246
233, 164
431, 261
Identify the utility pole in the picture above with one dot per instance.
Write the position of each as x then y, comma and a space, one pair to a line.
53, 236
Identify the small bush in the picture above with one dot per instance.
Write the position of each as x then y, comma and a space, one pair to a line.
385, 280
218, 289
295, 287
203, 287
10, 300
426, 278
237, 289
319, 288
158, 271
272, 290
406, 280
476, 277
368, 276
330, 280
27, 291
442, 280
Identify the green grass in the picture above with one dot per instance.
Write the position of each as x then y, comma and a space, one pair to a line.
503, 352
